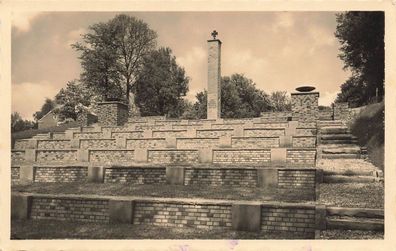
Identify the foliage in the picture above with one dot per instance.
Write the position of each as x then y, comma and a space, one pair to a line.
239, 99
18, 124
361, 35
112, 54
48, 105
72, 100
161, 85
280, 101
369, 127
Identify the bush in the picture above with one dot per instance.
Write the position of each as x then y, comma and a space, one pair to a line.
369, 127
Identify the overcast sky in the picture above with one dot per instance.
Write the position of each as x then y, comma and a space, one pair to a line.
277, 50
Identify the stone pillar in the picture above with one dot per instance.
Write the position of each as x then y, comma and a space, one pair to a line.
341, 111
112, 113
214, 79
305, 106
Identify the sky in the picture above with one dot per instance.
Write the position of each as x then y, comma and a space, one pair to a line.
279, 51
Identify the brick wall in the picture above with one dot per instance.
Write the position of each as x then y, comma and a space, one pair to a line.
111, 156
242, 156
278, 125
112, 113
304, 141
306, 124
264, 132
17, 156
291, 179
275, 116
301, 156
255, 142
225, 126
87, 135
70, 209
146, 143
195, 143
298, 221
22, 144
341, 111
53, 144
149, 127
306, 131
183, 215
169, 133
60, 174
56, 155
221, 177
214, 133
128, 135
172, 156
186, 127
98, 144
305, 106
135, 175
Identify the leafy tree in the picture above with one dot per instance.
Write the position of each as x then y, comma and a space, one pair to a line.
162, 85
19, 124
361, 35
112, 54
353, 91
239, 99
48, 105
280, 101
72, 100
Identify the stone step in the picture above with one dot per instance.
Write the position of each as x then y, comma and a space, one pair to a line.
341, 156
339, 141
349, 150
334, 130
348, 179
337, 136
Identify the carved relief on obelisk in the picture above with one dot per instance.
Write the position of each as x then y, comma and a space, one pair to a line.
214, 78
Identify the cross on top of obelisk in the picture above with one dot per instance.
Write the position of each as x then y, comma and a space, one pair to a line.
214, 34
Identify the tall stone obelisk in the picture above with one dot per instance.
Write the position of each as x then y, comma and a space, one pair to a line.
214, 78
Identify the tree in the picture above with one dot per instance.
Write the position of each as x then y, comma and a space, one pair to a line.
239, 99
112, 54
72, 100
361, 35
162, 85
18, 124
46, 108
280, 101
353, 91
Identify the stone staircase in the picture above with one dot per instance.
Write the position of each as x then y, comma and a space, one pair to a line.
336, 142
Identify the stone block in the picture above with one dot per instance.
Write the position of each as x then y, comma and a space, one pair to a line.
205, 155
246, 217
141, 155
106, 134
175, 175
285, 141
20, 206
219, 121
121, 143
238, 131
320, 217
191, 133
69, 134
278, 156
83, 155
225, 141
291, 130
75, 143
170, 142
121, 211
32, 144
30, 155
256, 120
267, 178
147, 133
96, 174
26, 173
184, 122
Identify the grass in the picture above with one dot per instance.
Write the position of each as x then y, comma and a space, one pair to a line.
369, 127
364, 195
51, 229
166, 190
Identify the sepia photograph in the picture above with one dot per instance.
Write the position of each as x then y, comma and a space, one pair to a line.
197, 125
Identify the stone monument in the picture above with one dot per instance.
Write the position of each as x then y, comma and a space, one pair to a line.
214, 78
